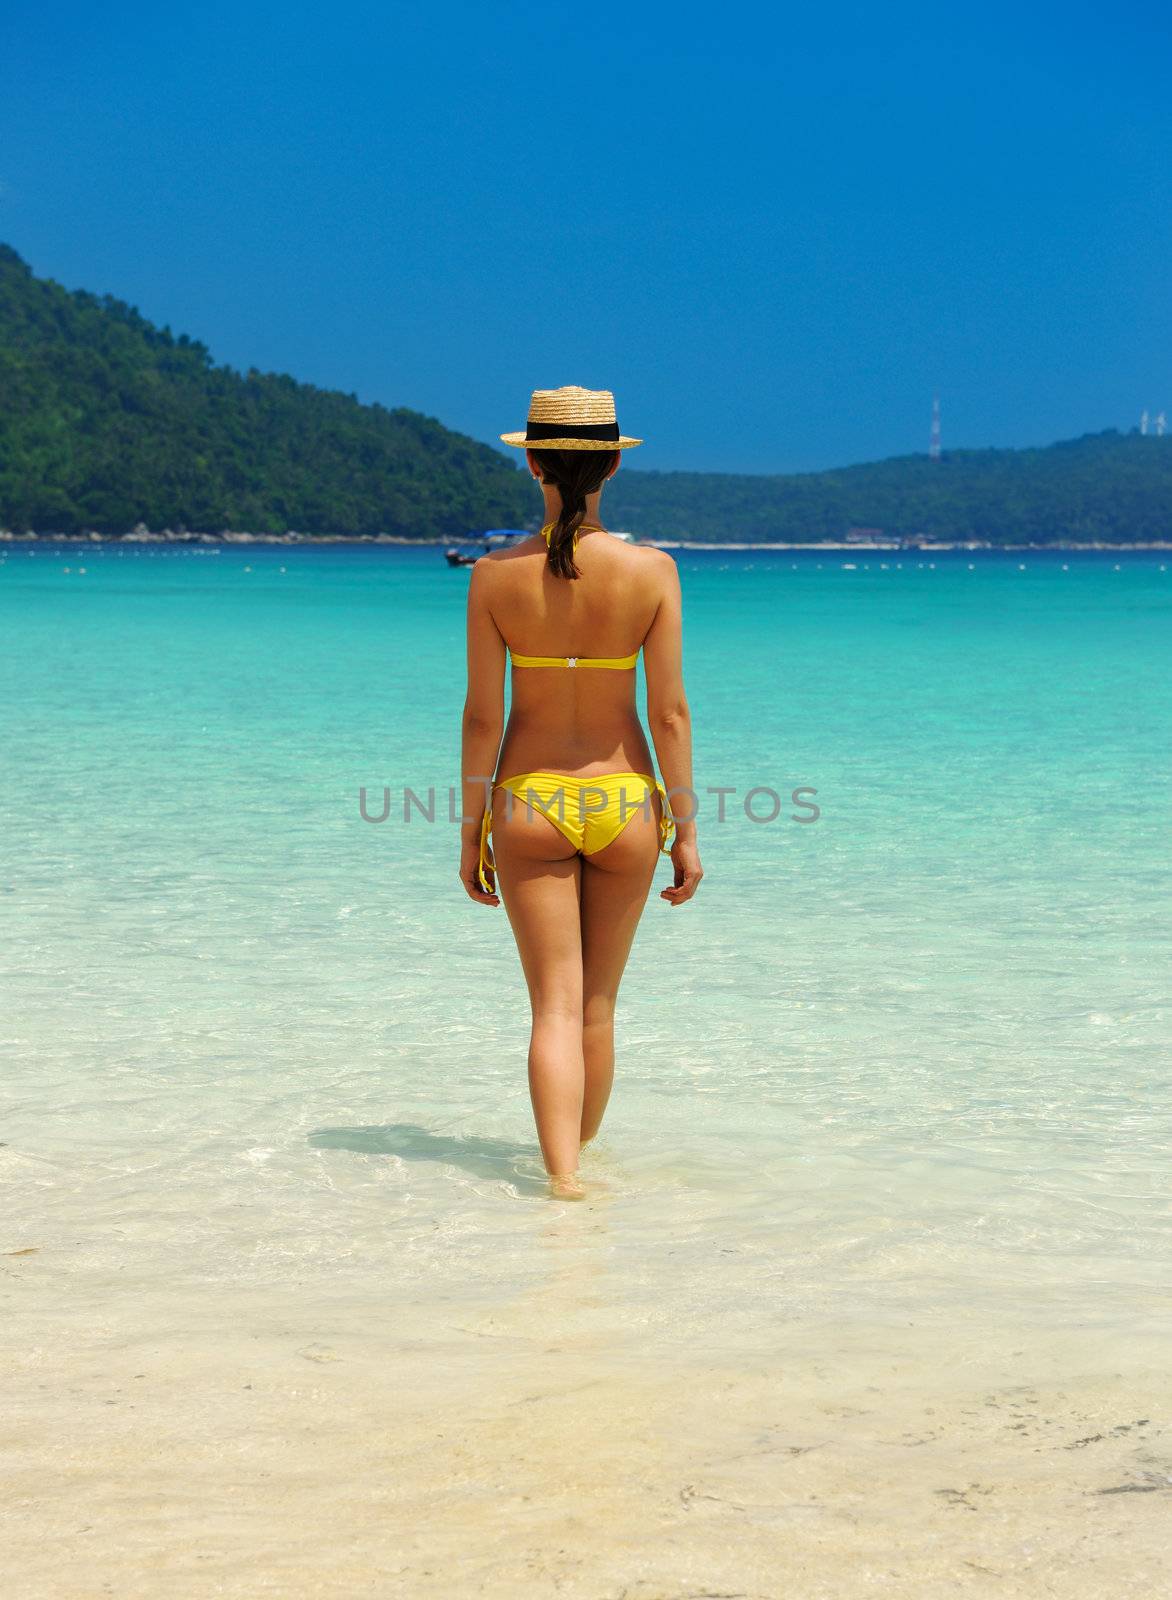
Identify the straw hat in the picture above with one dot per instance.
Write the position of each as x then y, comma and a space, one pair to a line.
571, 419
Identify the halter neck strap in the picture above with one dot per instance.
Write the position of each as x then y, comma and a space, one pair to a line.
583, 527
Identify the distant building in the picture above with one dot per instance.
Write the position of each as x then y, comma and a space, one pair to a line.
863, 535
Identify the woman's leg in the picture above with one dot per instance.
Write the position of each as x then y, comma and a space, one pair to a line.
615, 882
539, 874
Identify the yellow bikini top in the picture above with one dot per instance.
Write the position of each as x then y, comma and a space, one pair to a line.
613, 663
609, 663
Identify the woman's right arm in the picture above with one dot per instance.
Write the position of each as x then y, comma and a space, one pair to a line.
483, 723
670, 723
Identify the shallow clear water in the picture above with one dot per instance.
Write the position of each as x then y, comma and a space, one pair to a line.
910, 1056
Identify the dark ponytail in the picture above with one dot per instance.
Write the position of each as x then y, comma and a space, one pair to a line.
576, 473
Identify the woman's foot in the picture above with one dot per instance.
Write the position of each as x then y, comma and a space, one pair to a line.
566, 1186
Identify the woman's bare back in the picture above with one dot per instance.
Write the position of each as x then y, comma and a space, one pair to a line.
563, 720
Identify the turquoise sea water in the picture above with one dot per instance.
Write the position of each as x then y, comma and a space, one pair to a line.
907, 1061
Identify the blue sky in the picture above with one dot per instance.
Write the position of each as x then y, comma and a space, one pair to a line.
772, 230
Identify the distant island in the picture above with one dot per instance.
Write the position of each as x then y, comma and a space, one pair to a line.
107, 421
110, 426
1105, 488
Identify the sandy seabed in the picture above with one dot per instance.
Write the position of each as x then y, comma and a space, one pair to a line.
162, 1443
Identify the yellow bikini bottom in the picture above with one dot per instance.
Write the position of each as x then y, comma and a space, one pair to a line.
589, 812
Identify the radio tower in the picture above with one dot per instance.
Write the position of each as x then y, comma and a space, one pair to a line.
934, 442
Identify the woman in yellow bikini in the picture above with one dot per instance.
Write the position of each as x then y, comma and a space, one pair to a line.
575, 814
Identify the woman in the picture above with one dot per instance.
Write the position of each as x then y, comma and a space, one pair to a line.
576, 816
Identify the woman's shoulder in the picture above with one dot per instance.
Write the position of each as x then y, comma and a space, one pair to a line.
649, 556
654, 555
514, 550
646, 562
492, 563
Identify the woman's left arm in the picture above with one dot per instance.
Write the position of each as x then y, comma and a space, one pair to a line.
484, 720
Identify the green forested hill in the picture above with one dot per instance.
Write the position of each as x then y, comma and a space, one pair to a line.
106, 421
1105, 486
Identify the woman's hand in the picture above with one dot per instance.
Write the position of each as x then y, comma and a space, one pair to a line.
685, 858
470, 872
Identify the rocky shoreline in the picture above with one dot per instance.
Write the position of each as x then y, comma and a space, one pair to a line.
143, 535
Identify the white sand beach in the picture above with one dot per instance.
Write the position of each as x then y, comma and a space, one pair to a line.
160, 1441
